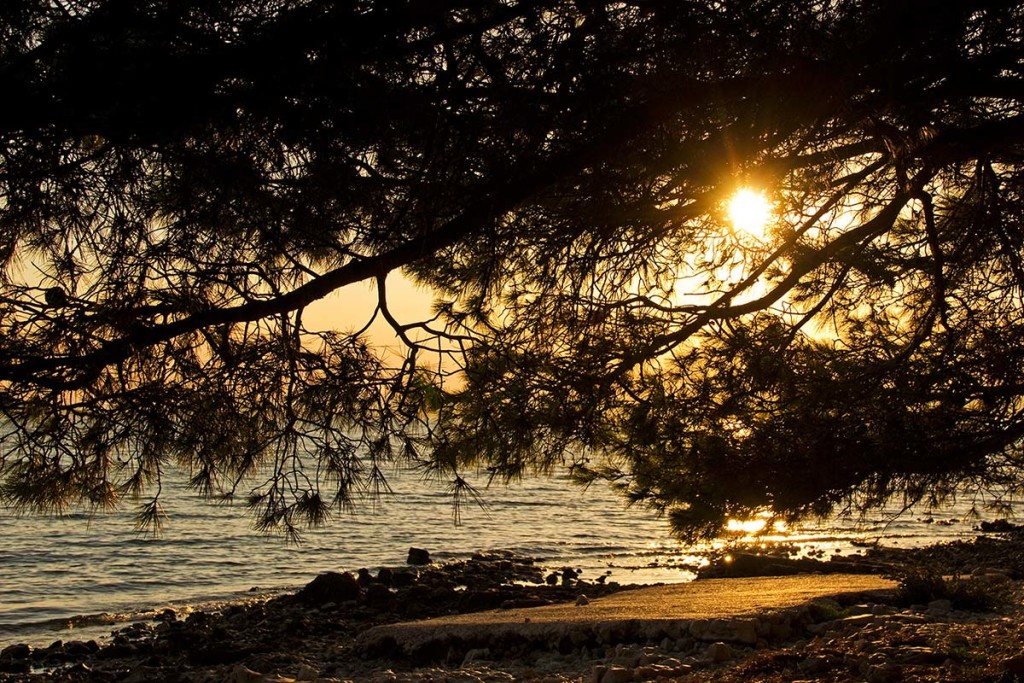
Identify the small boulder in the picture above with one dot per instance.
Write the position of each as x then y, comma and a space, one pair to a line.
1013, 665
15, 652
916, 655
77, 648
418, 556
404, 577
336, 587
617, 674
243, 674
378, 594
939, 608
883, 673
998, 526
718, 652
569, 576
385, 576
307, 673
364, 577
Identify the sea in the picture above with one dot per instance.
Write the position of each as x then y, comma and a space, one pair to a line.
81, 575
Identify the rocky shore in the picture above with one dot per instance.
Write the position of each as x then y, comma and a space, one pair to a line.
956, 616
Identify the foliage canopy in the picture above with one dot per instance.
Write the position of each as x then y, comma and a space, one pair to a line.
180, 180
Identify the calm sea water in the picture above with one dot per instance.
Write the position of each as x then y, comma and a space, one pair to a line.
86, 573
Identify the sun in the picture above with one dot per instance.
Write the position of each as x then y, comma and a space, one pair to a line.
749, 211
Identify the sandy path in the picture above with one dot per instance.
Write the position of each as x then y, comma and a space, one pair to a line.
706, 599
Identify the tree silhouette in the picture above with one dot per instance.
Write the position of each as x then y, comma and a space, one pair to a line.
181, 180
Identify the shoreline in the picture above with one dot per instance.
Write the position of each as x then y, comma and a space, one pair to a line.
90, 625
318, 633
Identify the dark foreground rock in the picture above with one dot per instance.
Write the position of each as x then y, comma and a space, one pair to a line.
330, 587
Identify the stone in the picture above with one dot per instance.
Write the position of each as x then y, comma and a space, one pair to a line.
336, 587
385, 576
626, 661
378, 594
404, 577
141, 674
15, 652
418, 556
597, 673
364, 577
77, 648
582, 600
814, 665
920, 655
939, 608
243, 674
1013, 665
718, 652
307, 673
883, 673
698, 627
617, 674
743, 631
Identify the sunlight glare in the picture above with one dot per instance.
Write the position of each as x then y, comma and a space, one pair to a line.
749, 211
755, 525
748, 526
